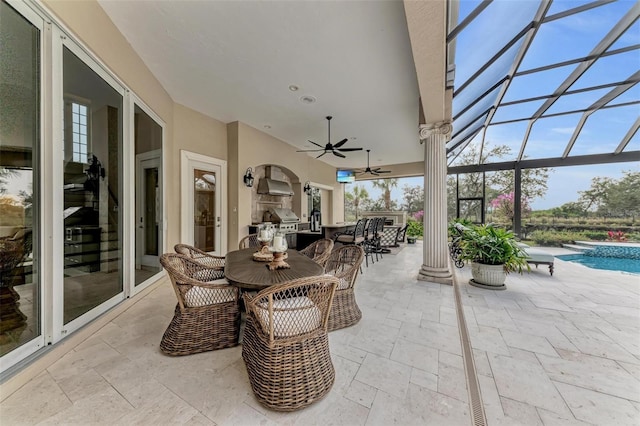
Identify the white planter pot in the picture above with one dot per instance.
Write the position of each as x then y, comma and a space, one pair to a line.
488, 275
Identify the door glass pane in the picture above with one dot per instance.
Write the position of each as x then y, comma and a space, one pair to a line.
148, 147
204, 210
19, 198
92, 165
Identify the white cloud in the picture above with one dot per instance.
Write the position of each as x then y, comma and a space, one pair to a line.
563, 130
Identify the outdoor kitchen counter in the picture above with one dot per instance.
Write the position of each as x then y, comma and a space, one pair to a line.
329, 231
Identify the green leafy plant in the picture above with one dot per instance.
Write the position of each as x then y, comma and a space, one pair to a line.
489, 245
415, 228
451, 228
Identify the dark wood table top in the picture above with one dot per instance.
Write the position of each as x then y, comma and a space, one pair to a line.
242, 271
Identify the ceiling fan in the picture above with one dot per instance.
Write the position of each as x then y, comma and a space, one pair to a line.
375, 171
334, 149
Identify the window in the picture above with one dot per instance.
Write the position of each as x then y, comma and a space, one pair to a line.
79, 132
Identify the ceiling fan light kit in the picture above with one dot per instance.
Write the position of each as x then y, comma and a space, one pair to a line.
336, 149
375, 172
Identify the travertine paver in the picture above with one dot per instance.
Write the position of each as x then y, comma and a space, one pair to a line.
558, 350
401, 364
548, 350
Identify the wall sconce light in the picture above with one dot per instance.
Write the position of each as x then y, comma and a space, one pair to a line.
307, 188
248, 177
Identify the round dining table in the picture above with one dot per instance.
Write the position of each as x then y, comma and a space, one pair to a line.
241, 270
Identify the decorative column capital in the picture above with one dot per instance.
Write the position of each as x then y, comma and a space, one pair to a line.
430, 129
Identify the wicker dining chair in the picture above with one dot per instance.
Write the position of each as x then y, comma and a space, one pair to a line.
285, 345
201, 257
207, 315
319, 250
249, 241
344, 264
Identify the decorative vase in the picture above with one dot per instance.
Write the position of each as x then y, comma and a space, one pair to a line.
488, 276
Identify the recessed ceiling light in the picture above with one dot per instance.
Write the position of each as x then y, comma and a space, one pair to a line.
266, 126
294, 88
307, 99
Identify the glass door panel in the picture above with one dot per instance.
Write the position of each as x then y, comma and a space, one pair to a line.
204, 210
92, 247
149, 214
20, 292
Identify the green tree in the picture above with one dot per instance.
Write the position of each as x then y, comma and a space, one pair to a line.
571, 209
386, 185
413, 197
533, 181
613, 197
355, 198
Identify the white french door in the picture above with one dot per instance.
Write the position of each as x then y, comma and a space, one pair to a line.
148, 209
203, 188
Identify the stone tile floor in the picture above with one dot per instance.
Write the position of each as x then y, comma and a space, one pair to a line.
548, 350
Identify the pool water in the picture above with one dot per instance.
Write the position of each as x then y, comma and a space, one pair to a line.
607, 263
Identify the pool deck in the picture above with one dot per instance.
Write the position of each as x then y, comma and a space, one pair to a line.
548, 350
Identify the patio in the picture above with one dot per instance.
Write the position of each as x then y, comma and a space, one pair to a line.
548, 350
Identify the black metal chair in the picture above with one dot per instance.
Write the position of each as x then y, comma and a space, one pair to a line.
369, 240
355, 237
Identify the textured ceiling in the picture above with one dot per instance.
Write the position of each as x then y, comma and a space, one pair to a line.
236, 61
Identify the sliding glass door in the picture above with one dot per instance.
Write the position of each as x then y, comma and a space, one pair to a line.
92, 246
20, 288
148, 195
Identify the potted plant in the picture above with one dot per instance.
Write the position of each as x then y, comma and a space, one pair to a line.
414, 230
493, 253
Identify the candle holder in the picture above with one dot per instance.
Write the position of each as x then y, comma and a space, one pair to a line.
265, 234
278, 248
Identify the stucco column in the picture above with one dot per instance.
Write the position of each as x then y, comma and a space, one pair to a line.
435, 250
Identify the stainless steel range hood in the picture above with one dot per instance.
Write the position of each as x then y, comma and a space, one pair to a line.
269, 186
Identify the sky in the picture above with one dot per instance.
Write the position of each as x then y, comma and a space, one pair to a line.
557, 40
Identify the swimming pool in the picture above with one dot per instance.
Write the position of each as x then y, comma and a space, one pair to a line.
606, 263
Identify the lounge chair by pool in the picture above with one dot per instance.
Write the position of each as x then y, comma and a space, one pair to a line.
538, 256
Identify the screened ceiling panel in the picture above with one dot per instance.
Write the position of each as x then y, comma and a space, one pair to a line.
609, 69
558, 62
489, 77
509, 135
520, 111
631, 95
480, 107
536, 84
466, 7
457, 159
631, 37
576, 102
549, 136
577, 34
476, 54
604, 130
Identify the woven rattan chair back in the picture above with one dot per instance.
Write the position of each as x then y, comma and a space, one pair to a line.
344, 263
285, 345
207, 315
249, 241
319, 250
201, 256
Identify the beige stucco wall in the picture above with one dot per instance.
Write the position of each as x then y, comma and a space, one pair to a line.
195, 132
242, 146
250, 147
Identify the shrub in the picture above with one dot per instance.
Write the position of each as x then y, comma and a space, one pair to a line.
595, 235
415, 228
556, 238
